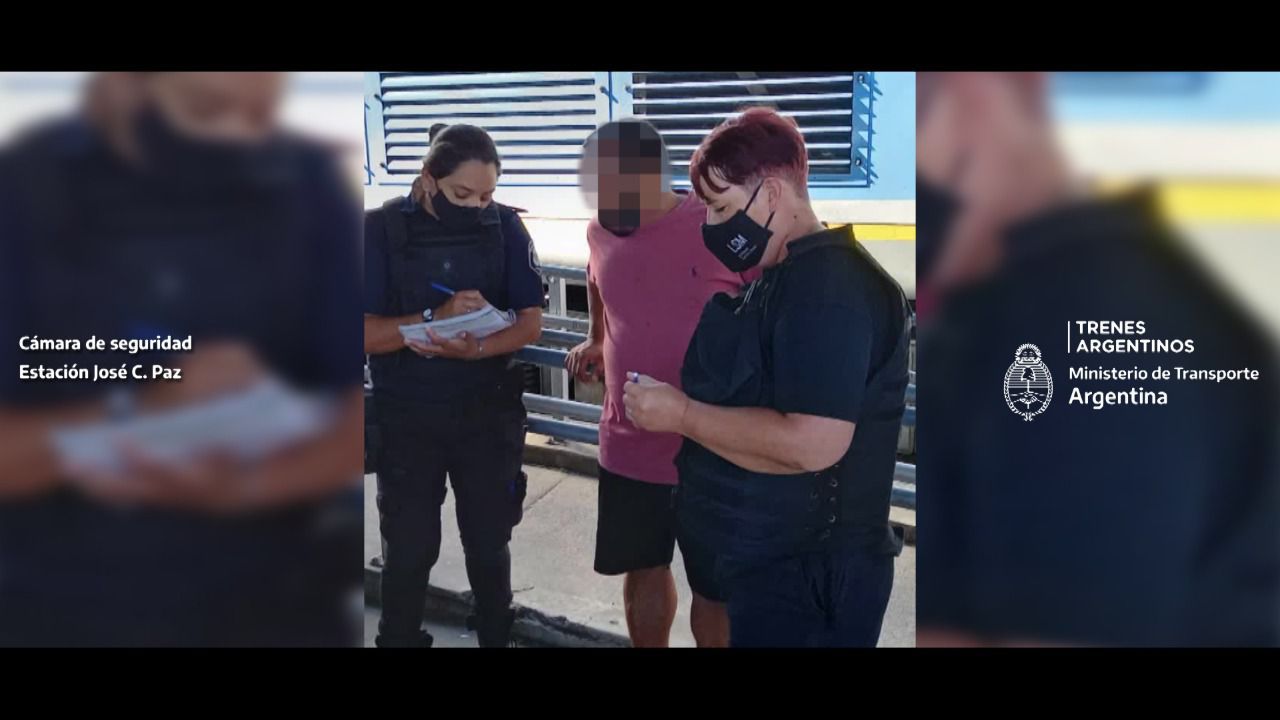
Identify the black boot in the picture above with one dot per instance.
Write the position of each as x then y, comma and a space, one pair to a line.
490, 576
493, 629
424, 640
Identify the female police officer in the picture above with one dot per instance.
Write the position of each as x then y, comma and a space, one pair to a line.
795, 393
448, 407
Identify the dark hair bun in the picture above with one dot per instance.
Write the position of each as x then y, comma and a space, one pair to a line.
453, 145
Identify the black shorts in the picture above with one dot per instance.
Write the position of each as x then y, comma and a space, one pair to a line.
635, 525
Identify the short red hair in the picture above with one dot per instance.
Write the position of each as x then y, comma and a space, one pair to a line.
746, 148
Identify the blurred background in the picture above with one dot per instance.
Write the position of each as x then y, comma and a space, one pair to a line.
1210, 141
1046, 198
324, 105
223, 509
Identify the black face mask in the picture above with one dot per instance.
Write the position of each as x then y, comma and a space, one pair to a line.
461, 217
936, 211
738, 242
206, 163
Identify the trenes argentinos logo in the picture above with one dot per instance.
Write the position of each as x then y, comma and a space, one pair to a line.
1028, 386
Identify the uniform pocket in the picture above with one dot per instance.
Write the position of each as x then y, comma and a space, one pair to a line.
519, 490
724, 363
514, 428
372, 435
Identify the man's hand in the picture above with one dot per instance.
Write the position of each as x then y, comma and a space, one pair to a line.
653, 405
586, 361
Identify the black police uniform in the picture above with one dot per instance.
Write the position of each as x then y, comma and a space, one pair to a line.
438, 416
1129, 525
823, 333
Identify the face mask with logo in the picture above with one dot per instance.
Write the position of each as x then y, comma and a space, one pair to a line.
739, 242
461, 217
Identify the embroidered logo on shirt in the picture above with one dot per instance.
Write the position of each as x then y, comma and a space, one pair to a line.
534, 264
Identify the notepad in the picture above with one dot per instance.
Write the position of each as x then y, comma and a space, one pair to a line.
250, 425
479, 323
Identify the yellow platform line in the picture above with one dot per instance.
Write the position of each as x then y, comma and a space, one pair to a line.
1209, 201
865, 232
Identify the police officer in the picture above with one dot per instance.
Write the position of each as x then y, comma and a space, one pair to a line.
795, 393
1027, 538
448, 407
174, 205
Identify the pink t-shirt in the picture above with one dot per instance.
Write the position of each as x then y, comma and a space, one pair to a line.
654, 283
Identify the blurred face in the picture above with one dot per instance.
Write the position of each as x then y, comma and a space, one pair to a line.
471, 184
940, 133
114, 95
985, 141
624, 188
219, 106
983, 133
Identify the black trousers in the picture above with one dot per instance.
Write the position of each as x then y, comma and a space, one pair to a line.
826, 599
479, 445
157, 578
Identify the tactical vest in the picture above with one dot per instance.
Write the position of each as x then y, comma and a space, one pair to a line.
473, 259
743, 514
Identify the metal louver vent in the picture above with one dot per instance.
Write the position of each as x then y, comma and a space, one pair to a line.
833, 111
538, 120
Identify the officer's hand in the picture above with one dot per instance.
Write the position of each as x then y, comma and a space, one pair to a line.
461, 303
586, 361
653, 405
214, 484
463, 347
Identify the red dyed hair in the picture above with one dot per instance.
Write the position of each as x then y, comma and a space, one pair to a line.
746, 148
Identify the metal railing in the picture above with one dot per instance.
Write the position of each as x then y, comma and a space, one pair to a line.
565, 419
